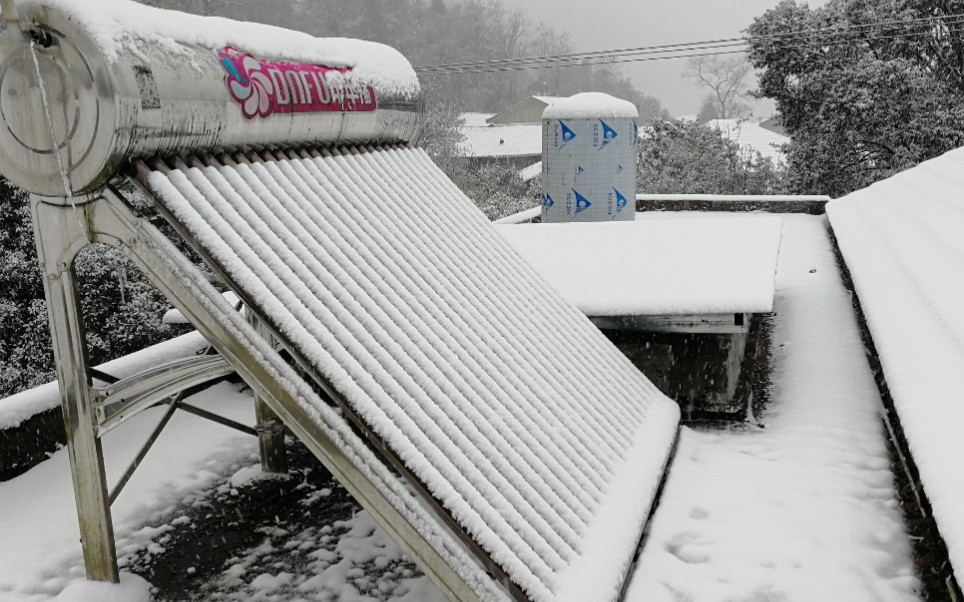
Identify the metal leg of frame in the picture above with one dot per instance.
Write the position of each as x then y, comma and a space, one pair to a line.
271, 431
60, 235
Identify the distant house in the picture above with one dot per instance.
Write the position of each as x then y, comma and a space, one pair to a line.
516, 144
752, 137
526, 111
513, 135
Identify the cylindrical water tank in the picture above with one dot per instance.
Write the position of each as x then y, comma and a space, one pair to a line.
124, 80
589, 159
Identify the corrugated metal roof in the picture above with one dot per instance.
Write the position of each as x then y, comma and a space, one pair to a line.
901, 239
534, 432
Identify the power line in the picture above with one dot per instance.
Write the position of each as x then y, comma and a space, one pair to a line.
826, 31
799, 39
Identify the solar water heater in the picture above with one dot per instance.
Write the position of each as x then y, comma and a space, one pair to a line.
483, 421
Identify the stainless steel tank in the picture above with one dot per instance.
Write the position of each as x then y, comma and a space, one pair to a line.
157, 101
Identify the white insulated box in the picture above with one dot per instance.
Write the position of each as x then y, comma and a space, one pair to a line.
589, 159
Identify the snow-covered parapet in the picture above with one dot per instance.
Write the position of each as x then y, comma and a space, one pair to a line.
21, 406
901, 239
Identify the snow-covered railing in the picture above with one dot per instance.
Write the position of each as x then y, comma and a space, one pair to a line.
524, 216
21, 406
735, 198
773, 203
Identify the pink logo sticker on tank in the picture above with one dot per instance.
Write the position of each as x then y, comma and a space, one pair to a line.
263, 88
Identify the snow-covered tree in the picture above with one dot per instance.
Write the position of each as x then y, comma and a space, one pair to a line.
859, 100
680, 157
122, 310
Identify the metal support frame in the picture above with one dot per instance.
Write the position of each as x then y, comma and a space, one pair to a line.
61, 232
64, 227
271, 431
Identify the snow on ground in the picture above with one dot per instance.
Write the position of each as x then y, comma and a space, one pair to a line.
805, 508
349, 561
801, 509
655, 267
130, 589
37, 509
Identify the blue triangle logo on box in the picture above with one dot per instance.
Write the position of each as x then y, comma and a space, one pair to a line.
582, 203
547, 201
619, 169
567, 134
580, 169
609, 134
621, 201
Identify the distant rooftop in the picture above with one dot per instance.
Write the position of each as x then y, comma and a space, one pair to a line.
752, 137
501, 141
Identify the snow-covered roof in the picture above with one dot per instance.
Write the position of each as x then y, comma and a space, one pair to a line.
386, 282
752, 137
547, 99
118, 27
656, 267
901, 239
471, 119
529, 108
515, 140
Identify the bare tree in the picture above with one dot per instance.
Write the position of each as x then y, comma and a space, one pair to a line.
549, 42
725, 78
515, 28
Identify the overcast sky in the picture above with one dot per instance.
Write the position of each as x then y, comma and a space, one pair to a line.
609, 24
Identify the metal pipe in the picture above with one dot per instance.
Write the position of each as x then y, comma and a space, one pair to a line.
143, 452
217, 418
